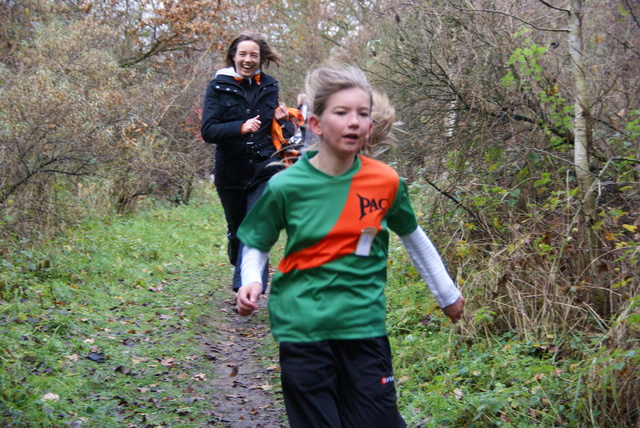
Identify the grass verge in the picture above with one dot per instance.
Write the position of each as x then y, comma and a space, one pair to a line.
99, 329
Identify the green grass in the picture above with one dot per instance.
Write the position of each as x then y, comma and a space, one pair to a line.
139, 290
133, 291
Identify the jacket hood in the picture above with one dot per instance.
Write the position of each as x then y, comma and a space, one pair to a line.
230, 71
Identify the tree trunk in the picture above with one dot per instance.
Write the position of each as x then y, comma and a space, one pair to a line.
582, 130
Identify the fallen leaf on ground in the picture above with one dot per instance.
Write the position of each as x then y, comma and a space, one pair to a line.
50, 396
234, 371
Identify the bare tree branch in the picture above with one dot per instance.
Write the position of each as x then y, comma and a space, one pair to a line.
335, 42
497, 12
455, 200
633, 15
549, 5
624, 43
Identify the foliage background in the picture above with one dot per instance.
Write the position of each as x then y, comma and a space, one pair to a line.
99, 111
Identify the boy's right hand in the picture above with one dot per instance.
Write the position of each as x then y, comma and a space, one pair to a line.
247, 297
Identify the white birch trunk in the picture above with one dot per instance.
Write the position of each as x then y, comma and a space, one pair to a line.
581, 128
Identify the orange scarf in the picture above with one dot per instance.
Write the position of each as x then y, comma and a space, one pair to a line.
256, 77
289, 155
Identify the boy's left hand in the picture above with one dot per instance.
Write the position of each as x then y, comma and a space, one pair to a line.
455, 310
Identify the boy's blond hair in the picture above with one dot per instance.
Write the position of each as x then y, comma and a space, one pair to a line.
325, 81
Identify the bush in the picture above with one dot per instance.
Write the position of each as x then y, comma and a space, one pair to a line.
81, 134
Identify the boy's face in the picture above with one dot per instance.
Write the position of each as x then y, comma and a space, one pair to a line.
345, 123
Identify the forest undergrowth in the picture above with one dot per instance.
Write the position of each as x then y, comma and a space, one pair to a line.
126, 321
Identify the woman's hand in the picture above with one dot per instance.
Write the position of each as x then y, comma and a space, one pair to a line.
281, 113
251, 125
247, 297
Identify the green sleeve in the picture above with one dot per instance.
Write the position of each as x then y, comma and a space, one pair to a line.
261, 227
401, 219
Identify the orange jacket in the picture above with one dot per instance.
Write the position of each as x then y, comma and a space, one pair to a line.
288, 154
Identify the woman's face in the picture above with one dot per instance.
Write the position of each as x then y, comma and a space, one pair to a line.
247, 58
345, 123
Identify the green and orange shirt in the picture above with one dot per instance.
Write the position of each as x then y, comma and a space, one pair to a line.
330, 283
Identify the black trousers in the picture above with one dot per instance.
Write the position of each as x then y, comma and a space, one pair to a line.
236, 204
339, 384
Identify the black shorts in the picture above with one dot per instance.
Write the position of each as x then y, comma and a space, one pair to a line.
339, 384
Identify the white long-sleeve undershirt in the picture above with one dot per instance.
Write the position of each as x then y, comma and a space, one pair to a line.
253, 262
427, 261
423, 254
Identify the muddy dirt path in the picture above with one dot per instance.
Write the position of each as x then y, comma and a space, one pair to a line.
246, 378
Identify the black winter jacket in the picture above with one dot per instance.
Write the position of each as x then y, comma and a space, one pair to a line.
241, 161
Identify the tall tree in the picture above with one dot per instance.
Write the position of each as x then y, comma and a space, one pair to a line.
582, 128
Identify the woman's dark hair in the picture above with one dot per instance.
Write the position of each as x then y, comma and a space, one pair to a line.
267, 54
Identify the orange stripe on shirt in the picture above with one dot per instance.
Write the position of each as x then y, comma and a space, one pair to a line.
376, 182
